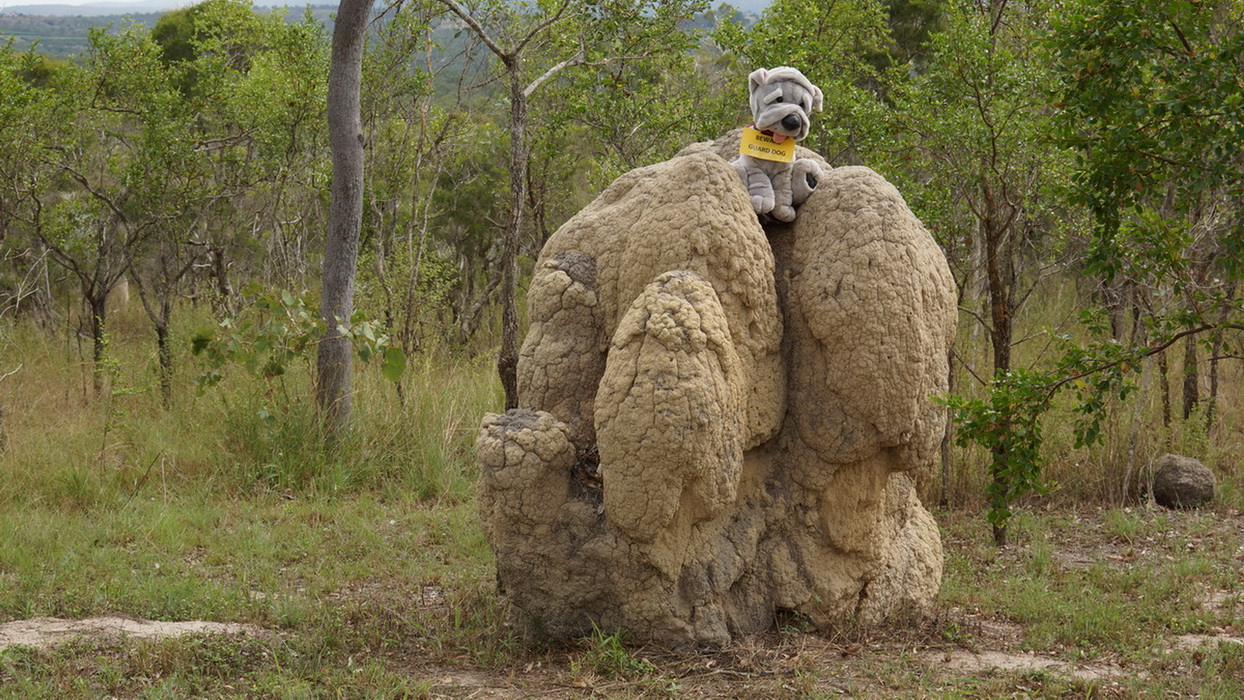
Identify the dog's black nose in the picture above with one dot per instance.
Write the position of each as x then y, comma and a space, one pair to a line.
791, 122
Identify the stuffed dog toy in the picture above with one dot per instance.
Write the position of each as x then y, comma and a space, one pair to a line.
782, 101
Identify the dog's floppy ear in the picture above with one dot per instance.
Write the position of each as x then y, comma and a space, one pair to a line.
818, 99
759, 77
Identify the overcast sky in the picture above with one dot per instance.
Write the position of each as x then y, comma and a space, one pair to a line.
155, 4
158, 5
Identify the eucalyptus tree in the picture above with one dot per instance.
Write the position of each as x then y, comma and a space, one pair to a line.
419, 116
535, 43
1151, 101
108, 169
257, 83
345, 218
624, 116
968, 144
28, 113
468, 214
162, 180
221, 125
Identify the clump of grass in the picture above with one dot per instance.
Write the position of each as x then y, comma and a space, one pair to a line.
608, 657
1125, 524
197, 666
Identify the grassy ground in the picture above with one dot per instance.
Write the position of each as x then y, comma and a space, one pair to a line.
369, 573
371, 598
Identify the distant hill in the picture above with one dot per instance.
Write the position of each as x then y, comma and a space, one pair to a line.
106, 8
137, 7
747, 6
60, 37
60, 31
96, 9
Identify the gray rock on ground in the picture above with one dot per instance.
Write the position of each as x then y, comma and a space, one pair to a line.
720, 421
1182, 482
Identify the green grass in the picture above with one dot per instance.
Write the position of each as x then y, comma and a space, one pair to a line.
1112, 596
368, 567
228, 508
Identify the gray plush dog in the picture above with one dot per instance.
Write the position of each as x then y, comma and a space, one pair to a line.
782, 100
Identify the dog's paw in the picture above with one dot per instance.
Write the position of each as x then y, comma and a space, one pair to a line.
784, 212
804, 180
762, 205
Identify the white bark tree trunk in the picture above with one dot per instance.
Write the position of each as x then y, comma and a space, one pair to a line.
345, 218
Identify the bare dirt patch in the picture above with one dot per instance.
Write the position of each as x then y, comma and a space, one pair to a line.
1194, 641
961, 661
45, 632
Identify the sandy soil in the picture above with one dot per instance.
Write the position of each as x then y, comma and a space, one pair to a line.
44, 632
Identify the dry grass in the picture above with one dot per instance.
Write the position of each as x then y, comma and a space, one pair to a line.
370, 567
1116, 471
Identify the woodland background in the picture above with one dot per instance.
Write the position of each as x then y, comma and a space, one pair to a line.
1078, 161
164, 202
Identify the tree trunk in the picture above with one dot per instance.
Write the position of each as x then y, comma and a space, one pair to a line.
1000, 338
220, 274
997, 468
948, 433
1192, 379
1164, 382
345, 218
1211, 408
165, 351
99, 314
44, 304
1113, 297
507, 360
1211, 405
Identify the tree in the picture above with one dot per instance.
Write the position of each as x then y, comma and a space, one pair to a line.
106, 166
257, 85
969, 149
563, 35
247, 85
830, 41
345, 218
1146, 110
28, 113
415, 135
1150, 100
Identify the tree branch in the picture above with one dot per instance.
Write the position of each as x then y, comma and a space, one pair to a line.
81, 179
557, 17
576, 60
506, 57
1182, 39
1149, 352
978, 317
955, 354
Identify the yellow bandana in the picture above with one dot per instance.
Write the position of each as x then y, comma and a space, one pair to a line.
760, 145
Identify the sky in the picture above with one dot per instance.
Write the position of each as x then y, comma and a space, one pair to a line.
157, 5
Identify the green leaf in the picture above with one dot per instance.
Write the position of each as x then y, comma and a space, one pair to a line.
394, 364
200, 342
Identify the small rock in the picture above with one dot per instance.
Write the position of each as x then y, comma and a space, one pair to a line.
1182, 482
